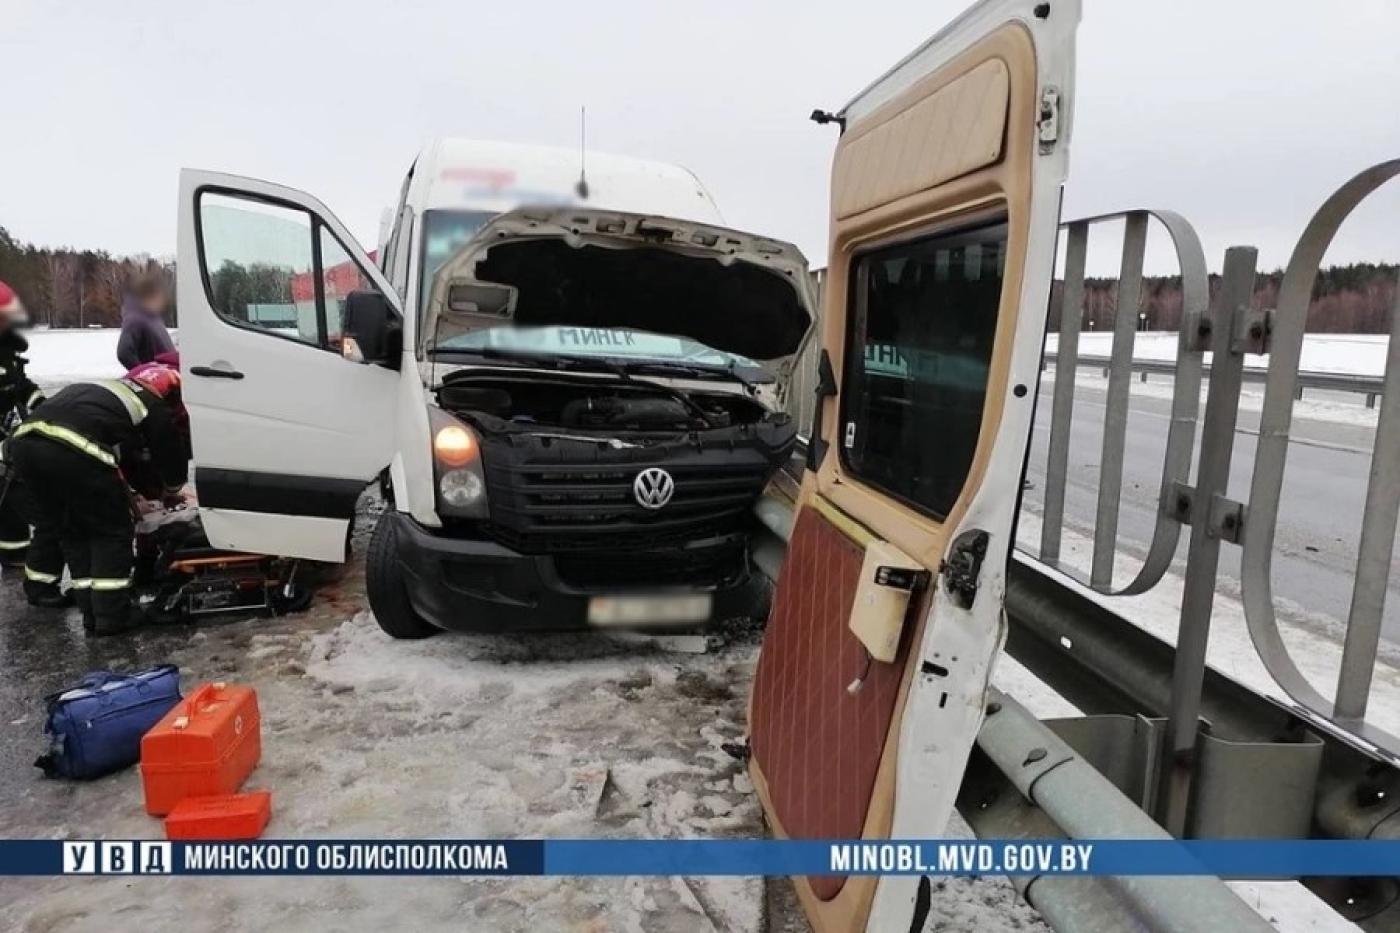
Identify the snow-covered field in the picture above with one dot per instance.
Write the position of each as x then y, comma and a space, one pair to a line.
465, 736
1352, 354
58, 356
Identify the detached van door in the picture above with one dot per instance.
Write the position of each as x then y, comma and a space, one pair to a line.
287, 432
945, 196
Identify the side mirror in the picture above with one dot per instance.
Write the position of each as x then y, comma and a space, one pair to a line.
371, 330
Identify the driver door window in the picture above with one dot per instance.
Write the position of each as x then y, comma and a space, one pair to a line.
274, 268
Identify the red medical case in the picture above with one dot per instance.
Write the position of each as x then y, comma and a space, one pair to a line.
205, 747
237, 816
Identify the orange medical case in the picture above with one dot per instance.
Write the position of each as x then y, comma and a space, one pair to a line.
205, 747
238, 816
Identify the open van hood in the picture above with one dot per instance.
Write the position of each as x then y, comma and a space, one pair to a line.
578, 267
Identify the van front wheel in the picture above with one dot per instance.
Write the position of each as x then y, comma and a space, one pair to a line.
384, 584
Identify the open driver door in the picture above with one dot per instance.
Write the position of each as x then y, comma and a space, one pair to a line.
871, 684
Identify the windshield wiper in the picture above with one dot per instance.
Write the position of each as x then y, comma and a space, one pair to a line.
542, 360
728, 371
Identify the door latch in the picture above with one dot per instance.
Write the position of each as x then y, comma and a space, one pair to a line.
1047, 125
963, 566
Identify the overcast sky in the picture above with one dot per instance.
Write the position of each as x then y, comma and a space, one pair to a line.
1241, 114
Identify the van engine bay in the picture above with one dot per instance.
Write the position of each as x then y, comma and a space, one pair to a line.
562, 454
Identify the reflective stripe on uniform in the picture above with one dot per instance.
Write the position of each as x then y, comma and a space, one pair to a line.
35, 398
100, 584
14, 545
38, 576
126, 394
67, 436
81, 583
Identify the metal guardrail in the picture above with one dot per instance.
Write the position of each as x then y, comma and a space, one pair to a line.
1269, 772
1187, 786
1181, 434
1348, 706
1229, 329
1373, 387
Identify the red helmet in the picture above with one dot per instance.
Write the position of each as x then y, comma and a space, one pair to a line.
158, 379
10, 305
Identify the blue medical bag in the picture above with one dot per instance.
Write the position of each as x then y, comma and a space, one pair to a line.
95, 727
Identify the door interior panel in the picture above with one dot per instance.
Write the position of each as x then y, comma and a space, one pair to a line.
941, 136
820, 745
817, 747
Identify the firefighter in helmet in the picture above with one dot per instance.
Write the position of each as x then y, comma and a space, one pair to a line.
37, 552
70, 453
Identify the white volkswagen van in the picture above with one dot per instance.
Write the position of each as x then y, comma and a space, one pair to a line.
564, 374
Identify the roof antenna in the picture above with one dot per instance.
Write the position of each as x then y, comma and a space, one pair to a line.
582, 186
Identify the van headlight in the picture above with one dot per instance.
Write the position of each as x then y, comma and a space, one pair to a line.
461, 482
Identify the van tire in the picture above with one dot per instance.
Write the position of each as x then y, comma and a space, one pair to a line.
384, 585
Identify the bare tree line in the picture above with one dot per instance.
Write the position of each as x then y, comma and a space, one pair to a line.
1353, 299
75, 288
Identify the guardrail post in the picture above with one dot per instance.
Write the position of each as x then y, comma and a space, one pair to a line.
1062, 402
1115, 419
1376, 547
1211, 520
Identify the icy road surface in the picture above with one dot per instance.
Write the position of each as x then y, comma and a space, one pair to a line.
456, 736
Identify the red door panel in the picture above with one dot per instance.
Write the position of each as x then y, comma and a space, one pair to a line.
818, 746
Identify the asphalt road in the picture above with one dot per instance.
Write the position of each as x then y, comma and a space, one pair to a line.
1319, 526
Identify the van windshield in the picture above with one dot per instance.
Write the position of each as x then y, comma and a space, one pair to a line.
445, 231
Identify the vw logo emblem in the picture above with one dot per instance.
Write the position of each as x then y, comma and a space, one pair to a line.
653, 488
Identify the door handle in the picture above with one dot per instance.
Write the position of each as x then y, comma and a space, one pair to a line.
211, 373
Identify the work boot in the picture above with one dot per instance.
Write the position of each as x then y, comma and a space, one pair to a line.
130, 619
47, 595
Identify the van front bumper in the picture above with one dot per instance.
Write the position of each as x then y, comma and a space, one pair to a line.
473, 585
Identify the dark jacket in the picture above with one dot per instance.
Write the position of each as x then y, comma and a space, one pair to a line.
18, 394
143, 336
94, 412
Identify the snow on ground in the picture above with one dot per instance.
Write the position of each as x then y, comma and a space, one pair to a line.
59, 356
453, 737
1353, 354
1316, 405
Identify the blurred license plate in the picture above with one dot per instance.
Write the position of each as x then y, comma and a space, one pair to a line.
648, 610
